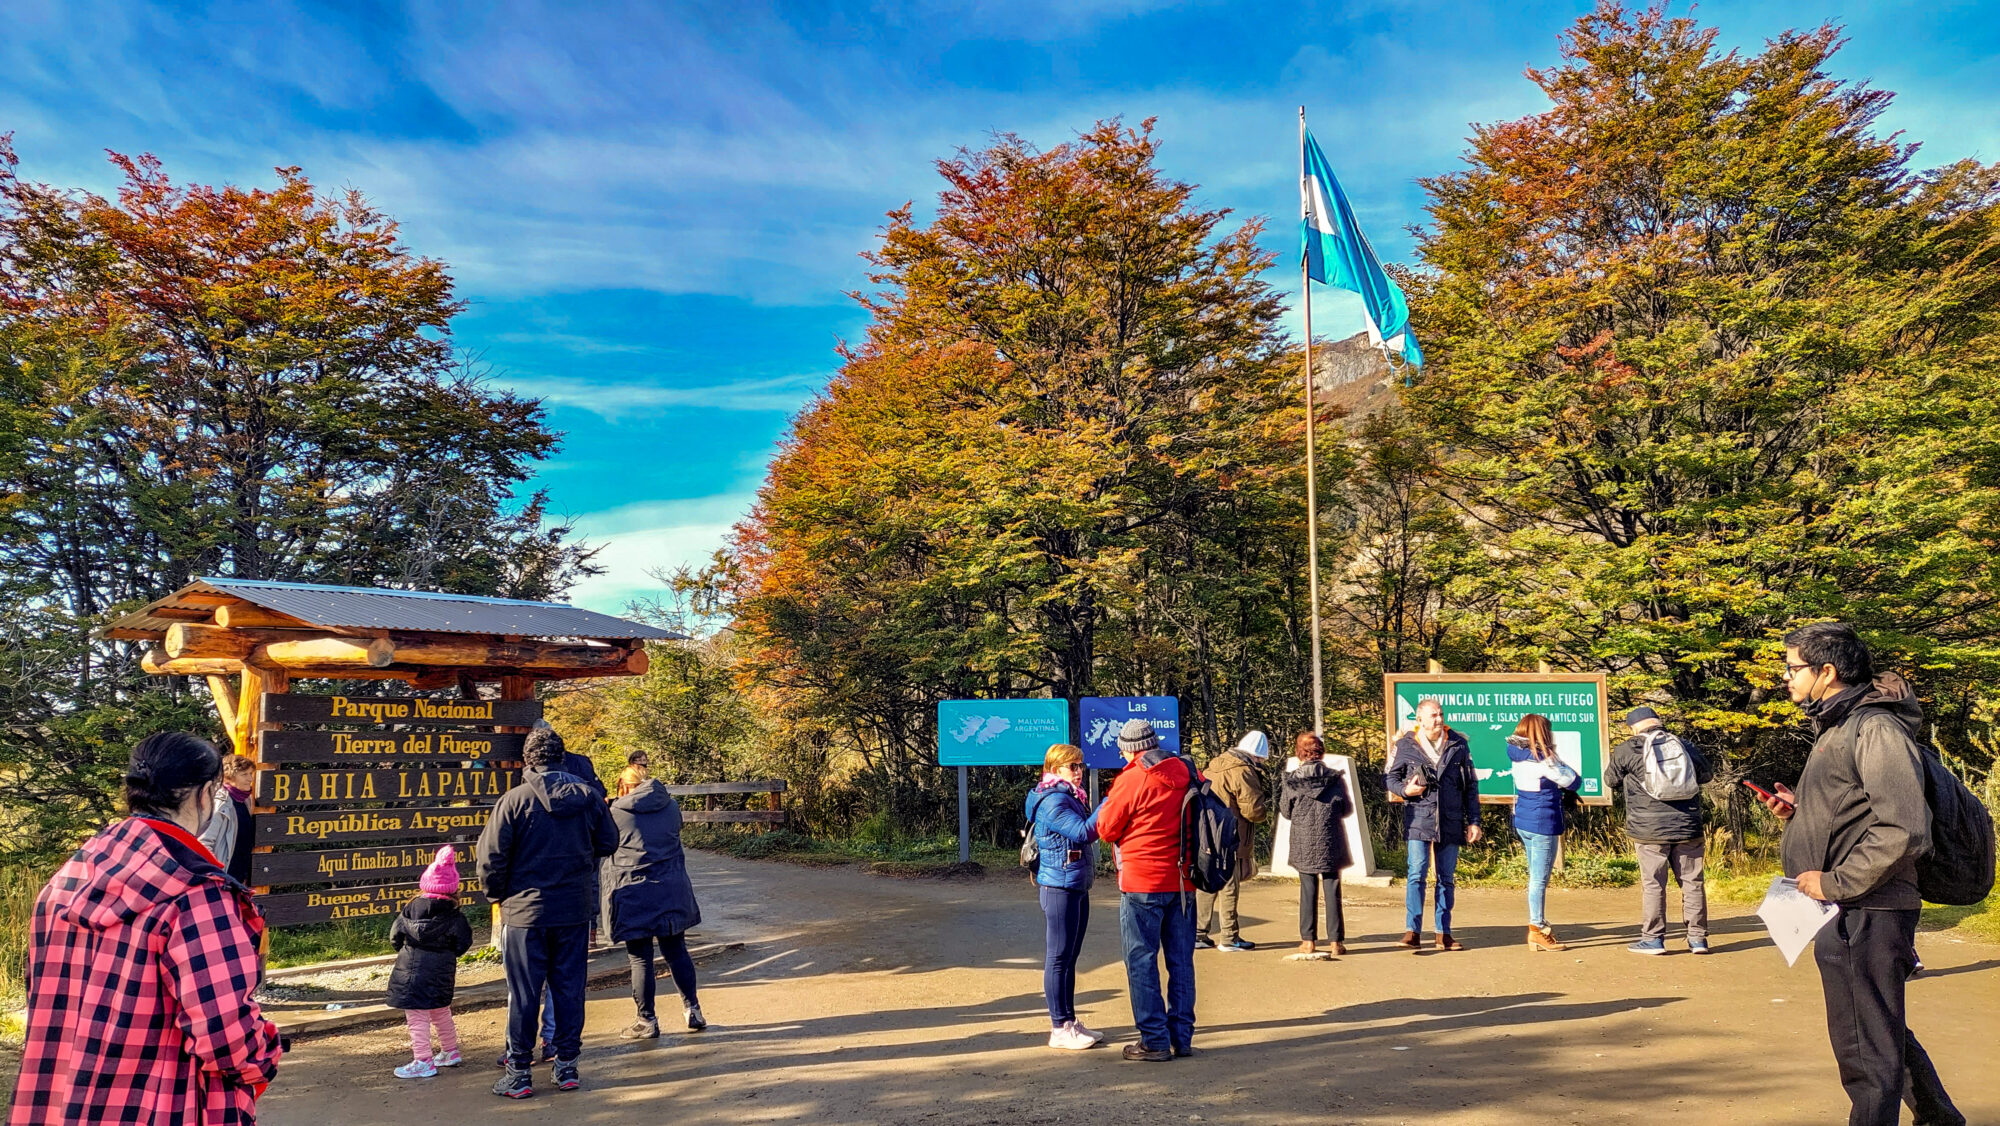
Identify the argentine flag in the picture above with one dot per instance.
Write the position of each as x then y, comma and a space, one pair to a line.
1338, 254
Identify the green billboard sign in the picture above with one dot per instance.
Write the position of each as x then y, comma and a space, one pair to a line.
1485, 707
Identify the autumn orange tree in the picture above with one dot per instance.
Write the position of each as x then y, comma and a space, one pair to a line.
1711, 357
242, 381
1060, 463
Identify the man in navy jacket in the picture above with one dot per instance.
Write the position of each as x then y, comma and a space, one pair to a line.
1431, 770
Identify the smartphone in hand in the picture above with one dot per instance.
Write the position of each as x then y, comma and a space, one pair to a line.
1766, 794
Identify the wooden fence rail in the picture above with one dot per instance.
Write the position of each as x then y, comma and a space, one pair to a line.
773, 814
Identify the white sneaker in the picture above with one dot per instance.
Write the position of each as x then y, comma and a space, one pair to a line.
417, 1069
1077, 1027
447, 1059
1069, 1039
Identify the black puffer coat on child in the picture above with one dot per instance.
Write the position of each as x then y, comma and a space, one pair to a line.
429, 935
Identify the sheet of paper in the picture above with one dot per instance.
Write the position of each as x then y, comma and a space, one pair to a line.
1793, 917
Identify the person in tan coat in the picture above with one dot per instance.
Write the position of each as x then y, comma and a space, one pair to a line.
1237, 776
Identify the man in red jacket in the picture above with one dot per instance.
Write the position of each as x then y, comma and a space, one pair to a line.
1142, 816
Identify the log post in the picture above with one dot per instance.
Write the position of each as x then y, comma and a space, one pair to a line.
250, 727
242, 615
325, 652
157, 663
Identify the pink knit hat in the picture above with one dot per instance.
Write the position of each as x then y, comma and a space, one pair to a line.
441, 878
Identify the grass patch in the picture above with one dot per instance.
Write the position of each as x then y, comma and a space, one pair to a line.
329, 942
1505, 864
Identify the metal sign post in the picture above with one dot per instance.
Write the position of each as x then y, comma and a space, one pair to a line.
964, 818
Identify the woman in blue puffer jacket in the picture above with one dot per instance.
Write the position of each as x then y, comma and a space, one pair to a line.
1066, 835
1540, 778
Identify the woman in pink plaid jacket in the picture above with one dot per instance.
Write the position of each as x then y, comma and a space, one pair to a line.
143, 960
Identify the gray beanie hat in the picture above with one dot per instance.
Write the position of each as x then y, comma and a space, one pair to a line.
1640, 715
1137, 737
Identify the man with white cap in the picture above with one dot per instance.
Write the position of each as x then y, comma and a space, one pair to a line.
1237, 776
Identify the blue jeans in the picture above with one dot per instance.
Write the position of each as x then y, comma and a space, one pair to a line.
1541, 849
1152, 922
1068, 916
1447, 883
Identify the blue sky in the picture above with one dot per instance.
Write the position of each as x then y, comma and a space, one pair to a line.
656, 210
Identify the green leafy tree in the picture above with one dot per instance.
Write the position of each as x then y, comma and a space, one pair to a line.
247, 382
1709, 359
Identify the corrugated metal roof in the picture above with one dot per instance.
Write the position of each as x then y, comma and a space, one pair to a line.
349, 607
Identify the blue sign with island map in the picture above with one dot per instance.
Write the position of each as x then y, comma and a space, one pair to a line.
999, 732
1101, 716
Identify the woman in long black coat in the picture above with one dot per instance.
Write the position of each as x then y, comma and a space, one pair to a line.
1315, 801
648, 898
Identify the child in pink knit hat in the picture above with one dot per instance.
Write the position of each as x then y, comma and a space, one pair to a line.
429, 935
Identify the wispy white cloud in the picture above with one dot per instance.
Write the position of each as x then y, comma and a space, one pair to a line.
616, 402
638, 540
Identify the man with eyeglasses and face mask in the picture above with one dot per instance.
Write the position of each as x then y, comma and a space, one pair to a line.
1853, 834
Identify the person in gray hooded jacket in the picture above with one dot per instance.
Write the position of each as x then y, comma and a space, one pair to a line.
1853, 834
648, 898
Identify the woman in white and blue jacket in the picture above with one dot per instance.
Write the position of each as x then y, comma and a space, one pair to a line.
1540, 778
1065, 835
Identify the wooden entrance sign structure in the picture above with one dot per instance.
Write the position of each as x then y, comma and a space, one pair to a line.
355, 790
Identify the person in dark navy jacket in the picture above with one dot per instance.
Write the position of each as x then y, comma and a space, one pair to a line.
1431, 770
1065, 836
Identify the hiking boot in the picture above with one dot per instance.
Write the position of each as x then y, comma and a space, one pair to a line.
417, 1069
1144, 1054
1203, 942
1410, 939
1308, 947
1183, 1051
1540, 939
448, 1059
1649, 946
1096, 1037
566, 1077
1447, 942
1069, 1039
514, 1085
695, 1021
1235, 946
1340, 949
641, 1029
1699, 946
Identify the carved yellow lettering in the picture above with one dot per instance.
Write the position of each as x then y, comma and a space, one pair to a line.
367, 785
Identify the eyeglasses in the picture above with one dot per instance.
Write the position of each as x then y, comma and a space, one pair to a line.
1792, 670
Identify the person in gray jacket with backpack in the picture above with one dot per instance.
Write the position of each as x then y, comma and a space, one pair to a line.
1855, 833
1661, 775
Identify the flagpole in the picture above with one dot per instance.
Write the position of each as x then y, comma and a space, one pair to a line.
1312, 484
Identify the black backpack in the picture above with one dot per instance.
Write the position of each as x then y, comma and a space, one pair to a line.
1958, 869
1208, 836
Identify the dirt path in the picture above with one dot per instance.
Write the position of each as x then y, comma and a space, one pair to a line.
864, 999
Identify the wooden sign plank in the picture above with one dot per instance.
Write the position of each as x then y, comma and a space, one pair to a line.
434, 825
349, 865
283, 788
362, 746
377, 711
294, 908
